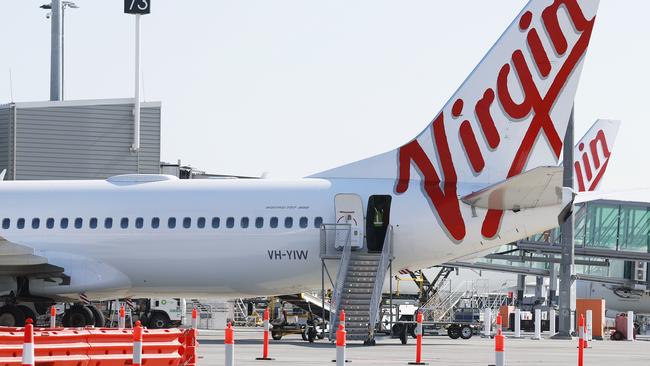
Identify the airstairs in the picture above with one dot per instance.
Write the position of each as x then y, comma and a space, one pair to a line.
359, 282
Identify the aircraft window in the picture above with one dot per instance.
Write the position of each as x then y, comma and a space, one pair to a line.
49, 223
304, 222
124, 223
200, 222
244, 222
187, 222
215, 222
36, 222
92, 223
21, 223
259, 222
288, 222
78, 222
230, 222
5, 223
108, 223
155, 223
318, 222
139, 223
64, 223
171, 222
274, 222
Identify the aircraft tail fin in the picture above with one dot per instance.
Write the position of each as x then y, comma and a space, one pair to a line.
591, 154
511, 113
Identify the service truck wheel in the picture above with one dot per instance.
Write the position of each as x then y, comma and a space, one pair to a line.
276, 335
78, 316
453, 331
158, 320
304, 334
311, 334
466, 332
11, 316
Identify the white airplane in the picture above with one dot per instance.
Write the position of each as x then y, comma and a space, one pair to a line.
482, 174
591, 159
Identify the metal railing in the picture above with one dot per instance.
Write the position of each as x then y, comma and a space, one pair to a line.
382, 268
341, 234
333, 238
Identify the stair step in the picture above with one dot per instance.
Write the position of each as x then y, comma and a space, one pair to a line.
356, 312
349, 284
361, 268
357, 308
356, 301
359, 279
356, 296
371, 274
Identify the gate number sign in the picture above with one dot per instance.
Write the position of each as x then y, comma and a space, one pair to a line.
137, 6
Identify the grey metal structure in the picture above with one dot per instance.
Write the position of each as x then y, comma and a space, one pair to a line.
56, 51
88, 139
567, 296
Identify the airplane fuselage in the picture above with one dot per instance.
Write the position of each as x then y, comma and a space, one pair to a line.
125, 238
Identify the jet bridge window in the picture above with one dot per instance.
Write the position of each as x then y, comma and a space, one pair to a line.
92, 223
304, 222
274, 222
187, 222
288, 222
124, 223
200, 222
49, 223
78, 222
171, 222
139, 223
230, 222
108, 223
36, 222
244, 222
216, 222
64, 223
155, 223
20, 223
318, 221
259, 222
6, 223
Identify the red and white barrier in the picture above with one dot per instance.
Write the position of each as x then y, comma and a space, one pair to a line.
517, 323
538, 324
581, 340
340, 345
52, 317
499, 345
137, 344
630, 326
229, 344
28, 344
195, 319
418, 344
121, 321
342, 318
265, 347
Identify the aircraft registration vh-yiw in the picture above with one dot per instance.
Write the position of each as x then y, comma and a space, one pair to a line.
482, 174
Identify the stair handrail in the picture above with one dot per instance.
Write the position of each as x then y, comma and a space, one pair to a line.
340, 276
380, 276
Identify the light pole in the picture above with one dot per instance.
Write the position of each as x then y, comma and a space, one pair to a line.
57, 77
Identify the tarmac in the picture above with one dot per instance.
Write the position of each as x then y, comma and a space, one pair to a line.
436, 350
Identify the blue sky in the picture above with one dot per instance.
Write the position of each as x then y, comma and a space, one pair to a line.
296, 87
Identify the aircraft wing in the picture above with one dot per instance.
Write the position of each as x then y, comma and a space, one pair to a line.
19, 260
538, 187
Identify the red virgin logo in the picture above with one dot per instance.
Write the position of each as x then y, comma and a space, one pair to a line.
590, 171
441, 191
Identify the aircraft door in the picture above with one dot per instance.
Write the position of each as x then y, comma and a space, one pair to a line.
349, 210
